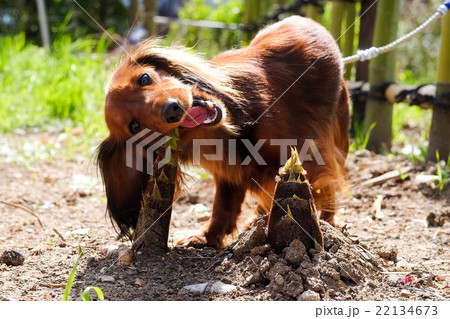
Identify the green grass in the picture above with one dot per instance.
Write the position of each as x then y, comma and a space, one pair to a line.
443, 173
410, 128
84, 293
52, 89
361, 138
208, 41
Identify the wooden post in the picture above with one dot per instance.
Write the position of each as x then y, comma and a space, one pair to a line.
133, 13
349, 35
43, 23
150, 12
338, 12
440, 124
251, 15
314, 13
382, 70
368, 14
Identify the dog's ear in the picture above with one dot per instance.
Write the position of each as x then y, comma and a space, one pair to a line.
123, 185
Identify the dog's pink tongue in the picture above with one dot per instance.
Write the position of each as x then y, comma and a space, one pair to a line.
195, 117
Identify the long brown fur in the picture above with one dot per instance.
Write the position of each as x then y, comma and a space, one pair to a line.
244, 83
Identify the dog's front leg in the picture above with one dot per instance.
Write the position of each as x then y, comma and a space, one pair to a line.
226, 209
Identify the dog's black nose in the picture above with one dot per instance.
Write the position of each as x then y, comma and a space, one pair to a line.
172, 111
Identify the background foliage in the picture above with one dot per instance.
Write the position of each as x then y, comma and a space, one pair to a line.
63, 86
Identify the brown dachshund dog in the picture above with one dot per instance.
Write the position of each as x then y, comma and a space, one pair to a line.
287, 84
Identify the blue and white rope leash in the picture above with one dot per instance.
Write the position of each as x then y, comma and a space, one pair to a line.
373, 52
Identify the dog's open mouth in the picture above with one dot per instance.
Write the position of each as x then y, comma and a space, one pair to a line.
202, 112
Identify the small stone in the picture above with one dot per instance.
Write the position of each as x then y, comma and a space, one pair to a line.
35, 252
296, 253
193, 199
226, 264
405, 293
264, 266
110, 250
402, 265
293, 285
309, 296
216, 287
278, 269
310, 272
200, 211
348, 271
334, 249
306, 264
427, 278
279, 280
196, 288
139, 283
314, 284
12, 258
388, 253
126, 257
81, 231
331, 272
260, 250
107, 279
91, 260
272, 257
253, 238
252, 279
341, 285
220, 287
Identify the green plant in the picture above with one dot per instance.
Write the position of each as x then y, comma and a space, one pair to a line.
361, 137
406, 116
50, 89
403, 176
85, 293
443, 174
208, 41
416, 154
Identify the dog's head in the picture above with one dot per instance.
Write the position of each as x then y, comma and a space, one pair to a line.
159, 89
156, 89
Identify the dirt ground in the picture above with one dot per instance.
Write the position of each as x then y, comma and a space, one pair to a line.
400, 253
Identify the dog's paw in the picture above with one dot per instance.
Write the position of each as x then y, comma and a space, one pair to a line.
199, 241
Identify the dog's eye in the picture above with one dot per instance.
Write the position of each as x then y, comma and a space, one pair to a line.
134, 126
145, 80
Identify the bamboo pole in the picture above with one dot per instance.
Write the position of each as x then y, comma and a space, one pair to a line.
366, 29
314, 13
43, 23
440, 124
382, 70
133, 12
338, 10
251, 15
349, 35
150, 13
